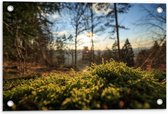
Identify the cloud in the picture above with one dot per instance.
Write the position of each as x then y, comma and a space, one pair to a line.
45, 14
61, 33
55, 16
102, 9
52, 17
85, 40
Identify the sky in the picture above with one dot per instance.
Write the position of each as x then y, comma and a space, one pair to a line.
138, 35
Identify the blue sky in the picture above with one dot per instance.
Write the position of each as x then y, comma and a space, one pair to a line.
137, 35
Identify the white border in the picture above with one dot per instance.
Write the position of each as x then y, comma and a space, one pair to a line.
118, 1
91, 111
1, 76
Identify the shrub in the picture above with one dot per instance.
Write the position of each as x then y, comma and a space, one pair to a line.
110, 85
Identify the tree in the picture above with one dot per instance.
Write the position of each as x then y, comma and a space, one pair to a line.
112, 16
127, 53
98, 57
155, 57
141, 57
117, 30
78, 21
95, 26
90, 5
162, 54
157, 20
114, 51
154, 22
154, 54
28, 34
59, 48
158, 54
107, 55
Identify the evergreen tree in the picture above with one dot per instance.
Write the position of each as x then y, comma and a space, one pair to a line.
141, 57
154, 51
112, 17
115, 51
162, 56
158, 56
154, 57
26, 30
155, 47
127, 53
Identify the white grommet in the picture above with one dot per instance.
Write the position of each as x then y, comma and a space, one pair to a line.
10, 8
10, 103
159, 101
159, 10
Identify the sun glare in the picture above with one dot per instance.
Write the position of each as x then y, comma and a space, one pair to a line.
89, 34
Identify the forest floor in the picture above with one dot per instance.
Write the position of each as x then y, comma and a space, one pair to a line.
83, 66
11, 70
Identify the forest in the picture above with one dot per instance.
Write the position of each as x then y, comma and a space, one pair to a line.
82, 56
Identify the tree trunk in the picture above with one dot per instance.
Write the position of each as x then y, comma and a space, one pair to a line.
117, 30
92, 49
76, 35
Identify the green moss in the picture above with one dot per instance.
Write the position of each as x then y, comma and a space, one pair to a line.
107, 86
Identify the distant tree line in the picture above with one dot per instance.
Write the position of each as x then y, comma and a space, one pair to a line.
153, 58
126, 54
